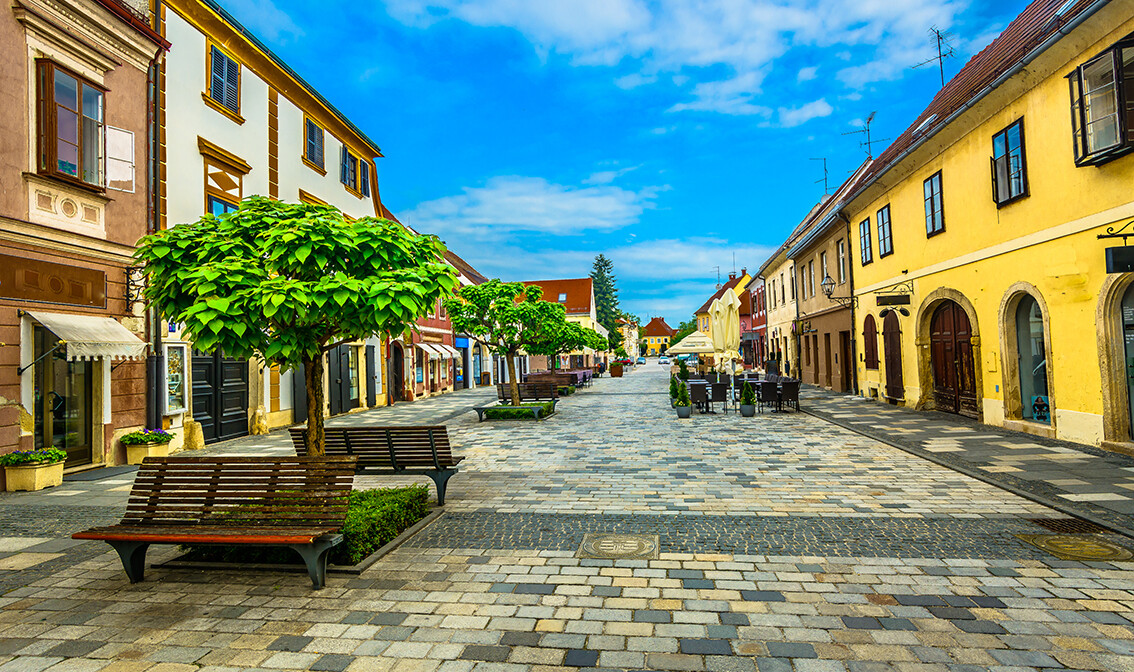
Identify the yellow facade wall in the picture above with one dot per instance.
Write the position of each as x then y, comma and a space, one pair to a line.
1044, 244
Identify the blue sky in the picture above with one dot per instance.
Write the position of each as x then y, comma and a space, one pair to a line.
532, 134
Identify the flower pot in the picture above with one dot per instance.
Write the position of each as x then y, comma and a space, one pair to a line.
30, 477
672, 402
748, 410
616, 371
136, 453
684, 411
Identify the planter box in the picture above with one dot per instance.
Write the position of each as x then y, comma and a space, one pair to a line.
33, 476
748, 410
616, 371
684, 411
135, 454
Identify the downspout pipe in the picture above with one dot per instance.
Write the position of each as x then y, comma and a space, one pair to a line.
155, 363
1012, 72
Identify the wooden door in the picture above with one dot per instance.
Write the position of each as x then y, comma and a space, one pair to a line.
371, 375
397, 372
220, 396
951, 354
845, 362
892, 345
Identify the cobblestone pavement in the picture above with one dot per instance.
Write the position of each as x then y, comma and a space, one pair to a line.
1083, 480
787, 544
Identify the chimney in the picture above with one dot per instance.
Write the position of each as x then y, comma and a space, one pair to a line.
732, 275
743, 271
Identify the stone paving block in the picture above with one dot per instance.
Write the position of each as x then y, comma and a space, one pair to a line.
675, 662
581, 658
705, 647
497, 654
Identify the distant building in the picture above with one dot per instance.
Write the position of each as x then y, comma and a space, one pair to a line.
657, 336
753, 324
737, 283
629, 331
577, 295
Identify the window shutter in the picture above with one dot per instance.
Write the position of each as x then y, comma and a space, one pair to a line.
364, 174
216, 87
318, 146
1126, 61
232, 85
344, 160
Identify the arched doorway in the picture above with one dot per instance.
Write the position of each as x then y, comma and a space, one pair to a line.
892, 354
1126, 315
397, 372
951, 357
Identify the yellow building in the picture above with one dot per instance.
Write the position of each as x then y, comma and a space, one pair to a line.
657, 336
982, 286
737, 283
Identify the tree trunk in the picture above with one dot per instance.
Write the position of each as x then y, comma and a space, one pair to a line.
316, 440
513, 383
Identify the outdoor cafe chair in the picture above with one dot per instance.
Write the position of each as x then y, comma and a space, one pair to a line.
699, 395
791, 394
769, 394
720, 394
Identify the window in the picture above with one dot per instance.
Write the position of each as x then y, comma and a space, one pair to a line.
354, 173
1102, 105
313, 145
364, 170
782, 299
811, 277
870, 342
864, 241
1009, 179
823, 262
224, 80
1030, 349
802, 281
885, 242
562, 297
792, 288
72, 141
934, 208
773, 293
219, 206
841, 246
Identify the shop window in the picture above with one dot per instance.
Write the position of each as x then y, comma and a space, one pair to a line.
72, 141
1102, 105
63, 392
1009, 177
1032, 357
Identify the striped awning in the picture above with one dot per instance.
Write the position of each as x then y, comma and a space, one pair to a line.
87, 337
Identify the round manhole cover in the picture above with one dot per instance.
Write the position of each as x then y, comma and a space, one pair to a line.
1079, 547
619, 546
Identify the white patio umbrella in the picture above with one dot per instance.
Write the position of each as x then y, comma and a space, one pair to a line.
697, 343
731, 304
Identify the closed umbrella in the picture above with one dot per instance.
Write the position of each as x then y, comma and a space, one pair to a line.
719, 327
730, 303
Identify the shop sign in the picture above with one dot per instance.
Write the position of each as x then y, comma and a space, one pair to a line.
26, 279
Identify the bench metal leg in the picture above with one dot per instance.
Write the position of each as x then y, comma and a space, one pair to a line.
441, 480
133, 555
315, 557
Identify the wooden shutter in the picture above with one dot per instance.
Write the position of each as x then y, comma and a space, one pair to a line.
232, 85
364, 175
344, 163
216, 85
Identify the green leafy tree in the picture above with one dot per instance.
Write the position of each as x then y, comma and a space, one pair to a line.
606, 296
506, 316
556, 336
286, 282
621, 353
684, 329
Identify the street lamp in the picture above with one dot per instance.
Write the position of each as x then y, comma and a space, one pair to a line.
828, 286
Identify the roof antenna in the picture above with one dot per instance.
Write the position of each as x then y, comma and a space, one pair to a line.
718, 276
944, 50
868, 144
826, 190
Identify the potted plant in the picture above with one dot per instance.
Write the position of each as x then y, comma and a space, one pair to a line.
682, 370
33, 469
673, 390
683, 405
146, 443
747, 401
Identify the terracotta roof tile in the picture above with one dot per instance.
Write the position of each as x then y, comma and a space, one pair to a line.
658, 327
579, 293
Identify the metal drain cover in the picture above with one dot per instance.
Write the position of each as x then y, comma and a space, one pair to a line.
619, 546
1078, 547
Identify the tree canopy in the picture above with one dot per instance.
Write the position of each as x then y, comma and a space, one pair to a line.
684, 329
606, 297
506, 316
285, 282
557, 336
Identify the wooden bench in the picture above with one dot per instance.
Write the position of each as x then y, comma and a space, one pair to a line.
533, 391
396, 451
297, 502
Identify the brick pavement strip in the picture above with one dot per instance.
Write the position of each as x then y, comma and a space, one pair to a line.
788, 545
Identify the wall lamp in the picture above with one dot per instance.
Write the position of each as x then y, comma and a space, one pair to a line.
828, 286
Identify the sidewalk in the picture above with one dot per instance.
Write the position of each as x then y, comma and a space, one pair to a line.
1083, 481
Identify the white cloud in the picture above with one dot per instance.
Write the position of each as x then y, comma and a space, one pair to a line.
731, 96
723, 48
514, 203
790, 117
607, 176
265, 19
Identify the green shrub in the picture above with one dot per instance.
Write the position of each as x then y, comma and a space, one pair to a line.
747, 395
566, 390
374, 518
683, 397
521, 412
672, 387
682, 370
146, 436
29, 457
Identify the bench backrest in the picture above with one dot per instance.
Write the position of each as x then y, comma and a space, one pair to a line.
540, 390
241, 491
558, 379
396, 448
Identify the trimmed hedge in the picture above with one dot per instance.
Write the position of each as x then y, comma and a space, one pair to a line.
374, 518
566, 390
521, 412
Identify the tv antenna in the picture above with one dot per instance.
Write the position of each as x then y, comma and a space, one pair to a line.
824, 180
718, 269
868, 144
944, 50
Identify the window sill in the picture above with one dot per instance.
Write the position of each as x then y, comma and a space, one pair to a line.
314, 166
1010, 201
221, 108
59, 181
352, 192
938, 232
